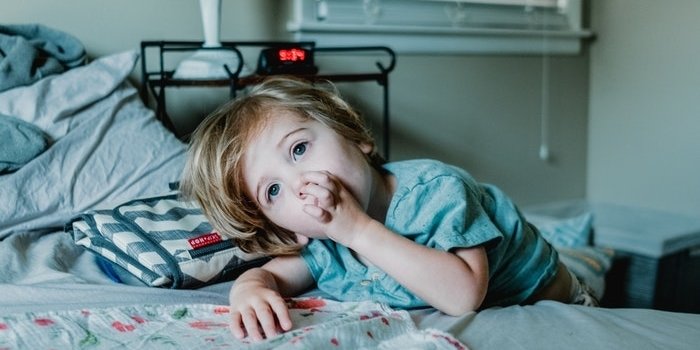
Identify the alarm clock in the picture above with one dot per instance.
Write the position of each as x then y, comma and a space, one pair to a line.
286, 60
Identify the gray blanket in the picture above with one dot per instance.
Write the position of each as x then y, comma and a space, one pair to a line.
29, 52
20, 142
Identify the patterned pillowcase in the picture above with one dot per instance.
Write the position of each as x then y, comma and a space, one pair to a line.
163, 241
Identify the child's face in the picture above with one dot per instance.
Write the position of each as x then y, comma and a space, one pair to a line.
287, 148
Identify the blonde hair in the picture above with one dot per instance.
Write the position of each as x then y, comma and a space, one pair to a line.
213, 174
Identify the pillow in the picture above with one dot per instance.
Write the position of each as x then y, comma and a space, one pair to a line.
163, 241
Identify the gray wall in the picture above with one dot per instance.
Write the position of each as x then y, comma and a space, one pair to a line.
644, 124
479, 112
483, 113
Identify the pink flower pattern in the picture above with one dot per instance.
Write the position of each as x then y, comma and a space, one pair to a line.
202, 326
43, 322
138, 319
220, 310
207, 325
122, 327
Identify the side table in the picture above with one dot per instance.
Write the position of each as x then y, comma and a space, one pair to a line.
657, 254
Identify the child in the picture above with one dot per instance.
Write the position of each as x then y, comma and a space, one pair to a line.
290, 170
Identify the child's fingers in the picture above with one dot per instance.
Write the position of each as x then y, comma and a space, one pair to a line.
317, 213
322, 179
324, 198
266, 319
250, 322
235, 325
279, 307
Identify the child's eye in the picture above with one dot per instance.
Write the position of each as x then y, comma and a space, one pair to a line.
298, 150
273, 191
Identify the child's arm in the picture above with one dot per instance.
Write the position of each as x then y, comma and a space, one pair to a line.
454, 282
257, 297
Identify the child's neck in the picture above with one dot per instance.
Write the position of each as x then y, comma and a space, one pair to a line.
384, 185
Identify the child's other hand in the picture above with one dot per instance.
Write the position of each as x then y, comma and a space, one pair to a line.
338, 211
257, 311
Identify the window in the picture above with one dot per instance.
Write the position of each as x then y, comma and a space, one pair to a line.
443, 26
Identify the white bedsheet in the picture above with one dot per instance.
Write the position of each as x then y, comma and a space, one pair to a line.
546, 325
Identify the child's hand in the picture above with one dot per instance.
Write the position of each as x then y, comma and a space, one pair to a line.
339, 212
258, 311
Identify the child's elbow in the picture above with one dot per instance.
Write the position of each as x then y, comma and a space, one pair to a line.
468, 301
459, 309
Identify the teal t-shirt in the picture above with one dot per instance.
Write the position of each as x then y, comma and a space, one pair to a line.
442, 207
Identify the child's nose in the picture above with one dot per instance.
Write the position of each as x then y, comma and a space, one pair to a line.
299, 189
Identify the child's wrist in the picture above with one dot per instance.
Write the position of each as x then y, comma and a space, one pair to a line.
362, 233
255, 276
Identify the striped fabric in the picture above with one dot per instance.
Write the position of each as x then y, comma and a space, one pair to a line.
163, 241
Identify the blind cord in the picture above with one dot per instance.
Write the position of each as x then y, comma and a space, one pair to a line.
544, 97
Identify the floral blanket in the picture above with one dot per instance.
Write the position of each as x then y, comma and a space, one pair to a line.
318, 324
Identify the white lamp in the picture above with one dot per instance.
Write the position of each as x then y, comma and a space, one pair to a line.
209, 63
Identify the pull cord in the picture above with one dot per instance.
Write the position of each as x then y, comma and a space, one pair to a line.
544, 153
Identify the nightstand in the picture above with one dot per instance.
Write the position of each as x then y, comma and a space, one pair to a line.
657, 254
657, 263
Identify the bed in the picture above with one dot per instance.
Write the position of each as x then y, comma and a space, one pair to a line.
107, 148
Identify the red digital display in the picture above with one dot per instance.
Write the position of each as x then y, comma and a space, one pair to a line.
292, 55
286, 60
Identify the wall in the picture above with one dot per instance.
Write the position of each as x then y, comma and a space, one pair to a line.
479, 112
107, 27
483, 113
111, 26
644, 123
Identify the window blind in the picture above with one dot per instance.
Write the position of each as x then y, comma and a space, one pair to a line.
541, 3
443, 26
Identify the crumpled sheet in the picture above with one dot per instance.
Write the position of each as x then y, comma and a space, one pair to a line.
107, 147
20, 142
29, 52
318, 324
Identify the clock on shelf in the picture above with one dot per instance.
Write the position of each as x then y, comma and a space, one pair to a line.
286, 60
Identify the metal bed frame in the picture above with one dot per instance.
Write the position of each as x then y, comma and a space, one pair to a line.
157, 80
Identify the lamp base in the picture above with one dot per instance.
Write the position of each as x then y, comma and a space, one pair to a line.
208, 64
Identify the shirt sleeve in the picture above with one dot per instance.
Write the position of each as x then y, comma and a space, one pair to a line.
445, 212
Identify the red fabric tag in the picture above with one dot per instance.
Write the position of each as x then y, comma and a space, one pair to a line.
204, 240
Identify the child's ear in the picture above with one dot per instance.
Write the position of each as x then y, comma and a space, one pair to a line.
366, 148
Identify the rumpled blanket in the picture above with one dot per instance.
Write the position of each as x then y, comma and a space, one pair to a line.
318, 324
20, 142
29, 52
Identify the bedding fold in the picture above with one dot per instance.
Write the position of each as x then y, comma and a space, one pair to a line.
100, 129
20, 142
29, 52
